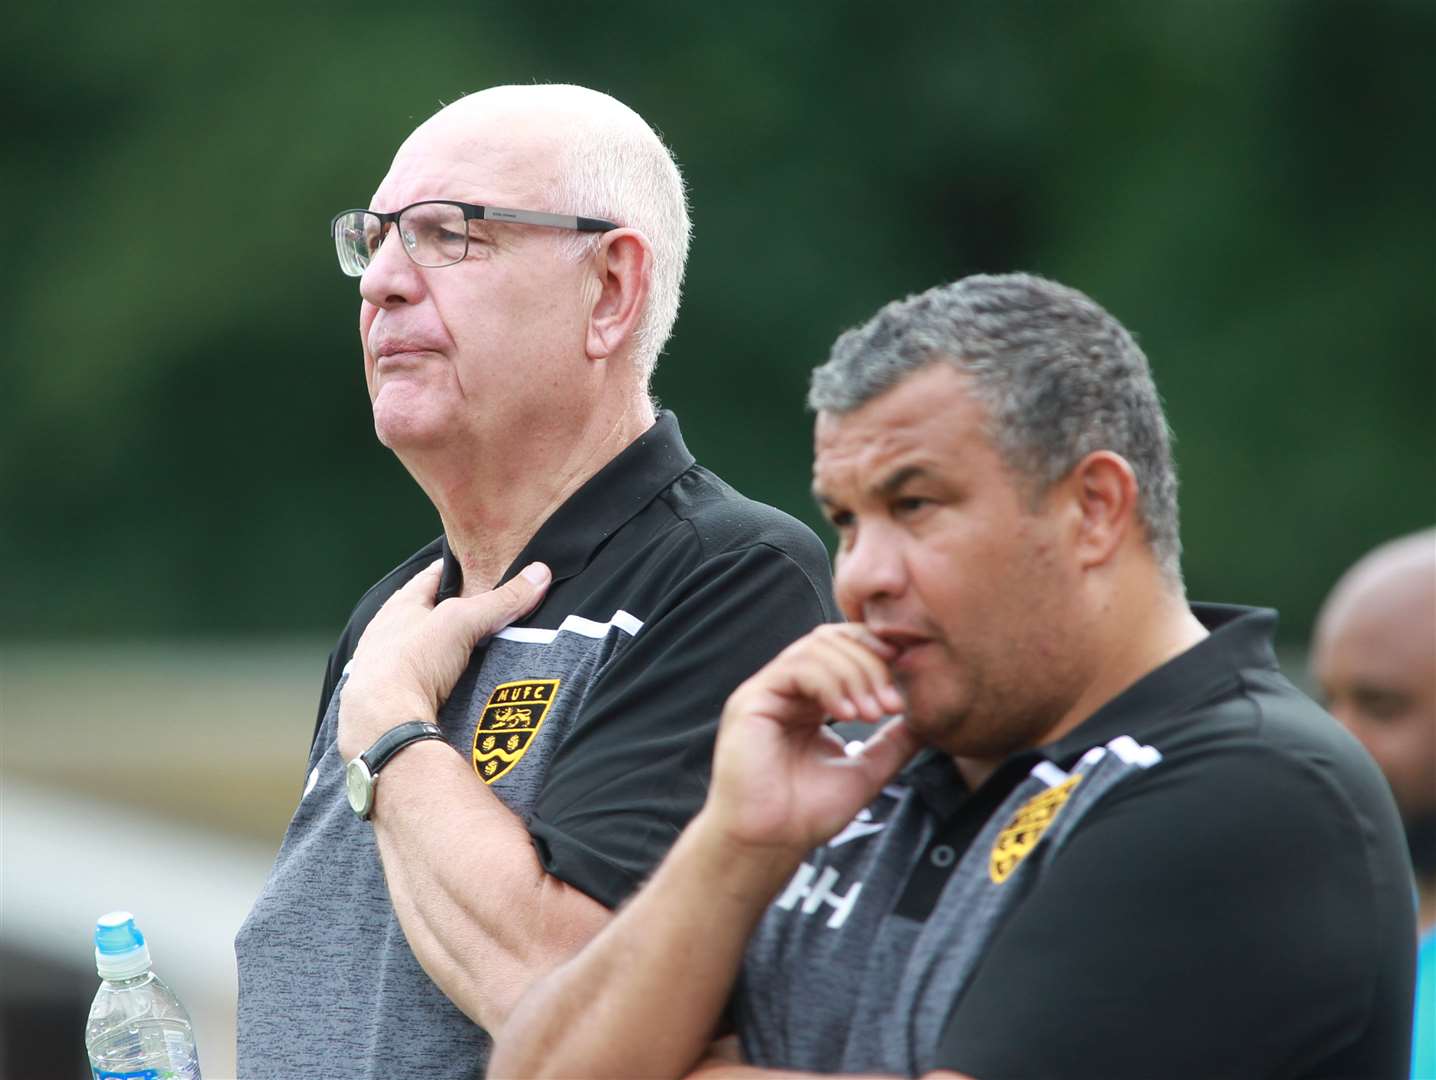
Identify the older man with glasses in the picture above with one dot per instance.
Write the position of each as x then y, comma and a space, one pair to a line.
594, 597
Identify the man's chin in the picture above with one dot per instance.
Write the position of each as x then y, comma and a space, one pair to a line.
934, 726
960, 733
406, 430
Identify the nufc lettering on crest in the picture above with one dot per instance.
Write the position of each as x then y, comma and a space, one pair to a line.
512, 717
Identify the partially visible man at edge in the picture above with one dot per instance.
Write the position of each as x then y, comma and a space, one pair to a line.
1105, 838
1374, 656
519, 268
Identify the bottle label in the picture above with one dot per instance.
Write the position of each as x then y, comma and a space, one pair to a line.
137, 1074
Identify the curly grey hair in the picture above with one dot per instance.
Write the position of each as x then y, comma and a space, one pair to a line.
1058, 376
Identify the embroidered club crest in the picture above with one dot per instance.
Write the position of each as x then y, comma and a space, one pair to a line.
512, 717
1020, 835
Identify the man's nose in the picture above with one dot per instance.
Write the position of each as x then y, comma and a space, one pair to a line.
391, 277
870, 568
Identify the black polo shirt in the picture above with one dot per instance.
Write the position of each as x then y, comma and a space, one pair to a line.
1205, 879
593, 719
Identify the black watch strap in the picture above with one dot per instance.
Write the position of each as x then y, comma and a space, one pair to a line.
394, 740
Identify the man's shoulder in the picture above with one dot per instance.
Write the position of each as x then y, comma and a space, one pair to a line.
1265, 724
723, 519
1261, 768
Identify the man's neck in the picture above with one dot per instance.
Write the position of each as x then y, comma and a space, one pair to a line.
1139, 637
494, 494
1132, 639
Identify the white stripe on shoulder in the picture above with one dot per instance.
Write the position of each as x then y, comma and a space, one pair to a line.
1048, 773
1127, 748
574, 624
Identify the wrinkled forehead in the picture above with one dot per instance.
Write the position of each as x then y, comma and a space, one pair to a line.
849, 450
495, 156
930, 422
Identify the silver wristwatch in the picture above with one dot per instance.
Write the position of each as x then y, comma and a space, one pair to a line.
361, 774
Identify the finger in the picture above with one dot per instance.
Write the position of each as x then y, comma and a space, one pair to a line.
843, 677
423, 587
872, 690
886, 691
890, 748
860, 632
403, 606
487, 614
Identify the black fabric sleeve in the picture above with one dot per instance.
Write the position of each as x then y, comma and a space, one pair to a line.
635, 767
1223, 918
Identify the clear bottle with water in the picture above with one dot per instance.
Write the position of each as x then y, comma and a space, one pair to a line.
137, 1029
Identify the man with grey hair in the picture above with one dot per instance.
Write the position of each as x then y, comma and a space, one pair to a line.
1095, 834
518, 720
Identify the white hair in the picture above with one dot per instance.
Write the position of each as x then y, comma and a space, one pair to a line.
607, 163
615, 166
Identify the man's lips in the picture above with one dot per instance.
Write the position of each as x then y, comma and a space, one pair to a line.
388, 352
905, 643
388, 343
393, 353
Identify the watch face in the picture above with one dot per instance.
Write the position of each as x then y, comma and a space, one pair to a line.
359, 786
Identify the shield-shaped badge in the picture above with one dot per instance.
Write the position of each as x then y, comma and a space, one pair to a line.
1020, 835
512, 717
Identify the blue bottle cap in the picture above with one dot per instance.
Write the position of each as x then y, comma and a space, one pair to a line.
120, 949
117, 933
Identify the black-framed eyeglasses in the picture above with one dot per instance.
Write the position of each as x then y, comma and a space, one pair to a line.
434, 232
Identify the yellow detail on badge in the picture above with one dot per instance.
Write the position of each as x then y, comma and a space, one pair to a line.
1017, 839
511, 719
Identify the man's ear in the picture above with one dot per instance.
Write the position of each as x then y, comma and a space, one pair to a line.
623, 264
1104, 491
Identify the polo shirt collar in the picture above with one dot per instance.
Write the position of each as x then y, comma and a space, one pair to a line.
607, 501
1239, 638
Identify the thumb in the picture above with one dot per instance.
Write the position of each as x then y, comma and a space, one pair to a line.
489, 613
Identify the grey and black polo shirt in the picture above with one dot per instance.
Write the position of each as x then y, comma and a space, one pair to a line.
1205, 879
593, 719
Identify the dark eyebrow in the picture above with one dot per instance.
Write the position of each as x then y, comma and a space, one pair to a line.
1371, 694
895, 482
886, 487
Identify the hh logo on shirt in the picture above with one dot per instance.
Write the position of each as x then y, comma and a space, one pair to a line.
512, 717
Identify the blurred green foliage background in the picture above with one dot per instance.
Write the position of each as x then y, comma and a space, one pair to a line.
185, 444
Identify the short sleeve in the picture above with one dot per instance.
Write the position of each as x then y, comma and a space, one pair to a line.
635, 767
1232, 916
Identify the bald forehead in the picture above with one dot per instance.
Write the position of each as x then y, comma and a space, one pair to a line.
545, 114
576, 102
496, 134
1396, 583
506, 142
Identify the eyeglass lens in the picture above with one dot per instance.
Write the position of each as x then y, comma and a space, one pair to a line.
435, 234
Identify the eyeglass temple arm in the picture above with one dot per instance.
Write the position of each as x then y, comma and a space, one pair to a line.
539, 217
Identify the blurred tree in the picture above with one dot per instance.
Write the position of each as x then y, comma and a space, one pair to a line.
184, 436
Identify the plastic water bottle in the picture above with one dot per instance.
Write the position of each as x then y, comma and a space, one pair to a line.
137, 1030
